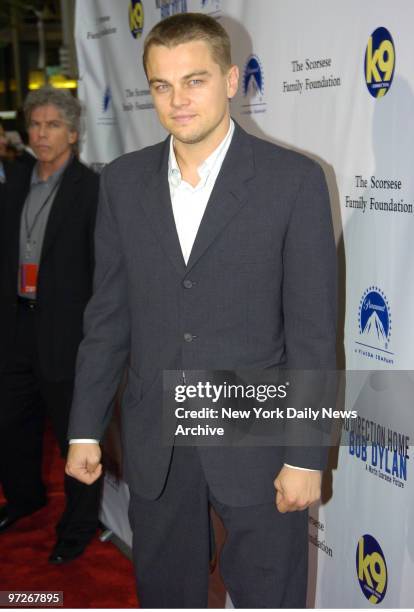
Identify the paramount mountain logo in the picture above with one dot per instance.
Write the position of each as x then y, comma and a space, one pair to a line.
253, 87
253, 77
374, 317
375, 325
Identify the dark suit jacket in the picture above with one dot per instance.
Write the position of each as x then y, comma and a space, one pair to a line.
262, 293
8, 169
65, 272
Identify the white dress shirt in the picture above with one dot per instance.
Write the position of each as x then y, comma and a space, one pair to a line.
189, 203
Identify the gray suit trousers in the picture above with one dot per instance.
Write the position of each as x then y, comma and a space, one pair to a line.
263, 562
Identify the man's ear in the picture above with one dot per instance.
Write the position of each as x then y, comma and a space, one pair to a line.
73, 137
232, 81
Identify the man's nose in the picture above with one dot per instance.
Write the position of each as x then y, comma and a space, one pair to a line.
179, 97
42, 131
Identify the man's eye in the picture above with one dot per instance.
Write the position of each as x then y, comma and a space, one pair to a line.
195, 82
162, 87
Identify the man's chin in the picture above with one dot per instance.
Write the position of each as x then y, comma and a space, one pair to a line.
189, 138
42, 157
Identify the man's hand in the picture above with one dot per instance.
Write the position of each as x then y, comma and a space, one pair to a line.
296, 489
83, 462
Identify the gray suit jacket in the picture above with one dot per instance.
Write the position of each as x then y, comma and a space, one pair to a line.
262, 294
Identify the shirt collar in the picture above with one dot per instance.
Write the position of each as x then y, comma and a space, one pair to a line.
53, 178
204, 170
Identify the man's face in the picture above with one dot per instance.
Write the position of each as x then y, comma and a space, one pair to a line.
49, 136
189, 90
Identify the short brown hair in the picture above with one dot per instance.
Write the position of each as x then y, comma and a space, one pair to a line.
187, 27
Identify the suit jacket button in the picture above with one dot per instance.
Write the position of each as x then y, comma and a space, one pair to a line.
188, 284
188, 337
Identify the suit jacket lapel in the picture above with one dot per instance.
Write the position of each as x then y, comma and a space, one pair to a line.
228, 196
156, 202
63, 203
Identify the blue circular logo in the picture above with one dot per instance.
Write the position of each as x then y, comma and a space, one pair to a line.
136, 18
253, 76
374, 317
371, 569
379, 62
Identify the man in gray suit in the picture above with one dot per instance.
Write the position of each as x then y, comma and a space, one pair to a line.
214, 250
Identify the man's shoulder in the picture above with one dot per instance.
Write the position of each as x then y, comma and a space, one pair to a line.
265, 150
82, 171
135, 163
274, 158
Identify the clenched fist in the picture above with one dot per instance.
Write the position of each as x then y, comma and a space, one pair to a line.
297, 489
84, 462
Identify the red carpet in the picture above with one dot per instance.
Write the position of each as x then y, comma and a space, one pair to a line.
101, 578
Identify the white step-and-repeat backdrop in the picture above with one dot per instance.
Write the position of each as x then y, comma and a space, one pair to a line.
334, 80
